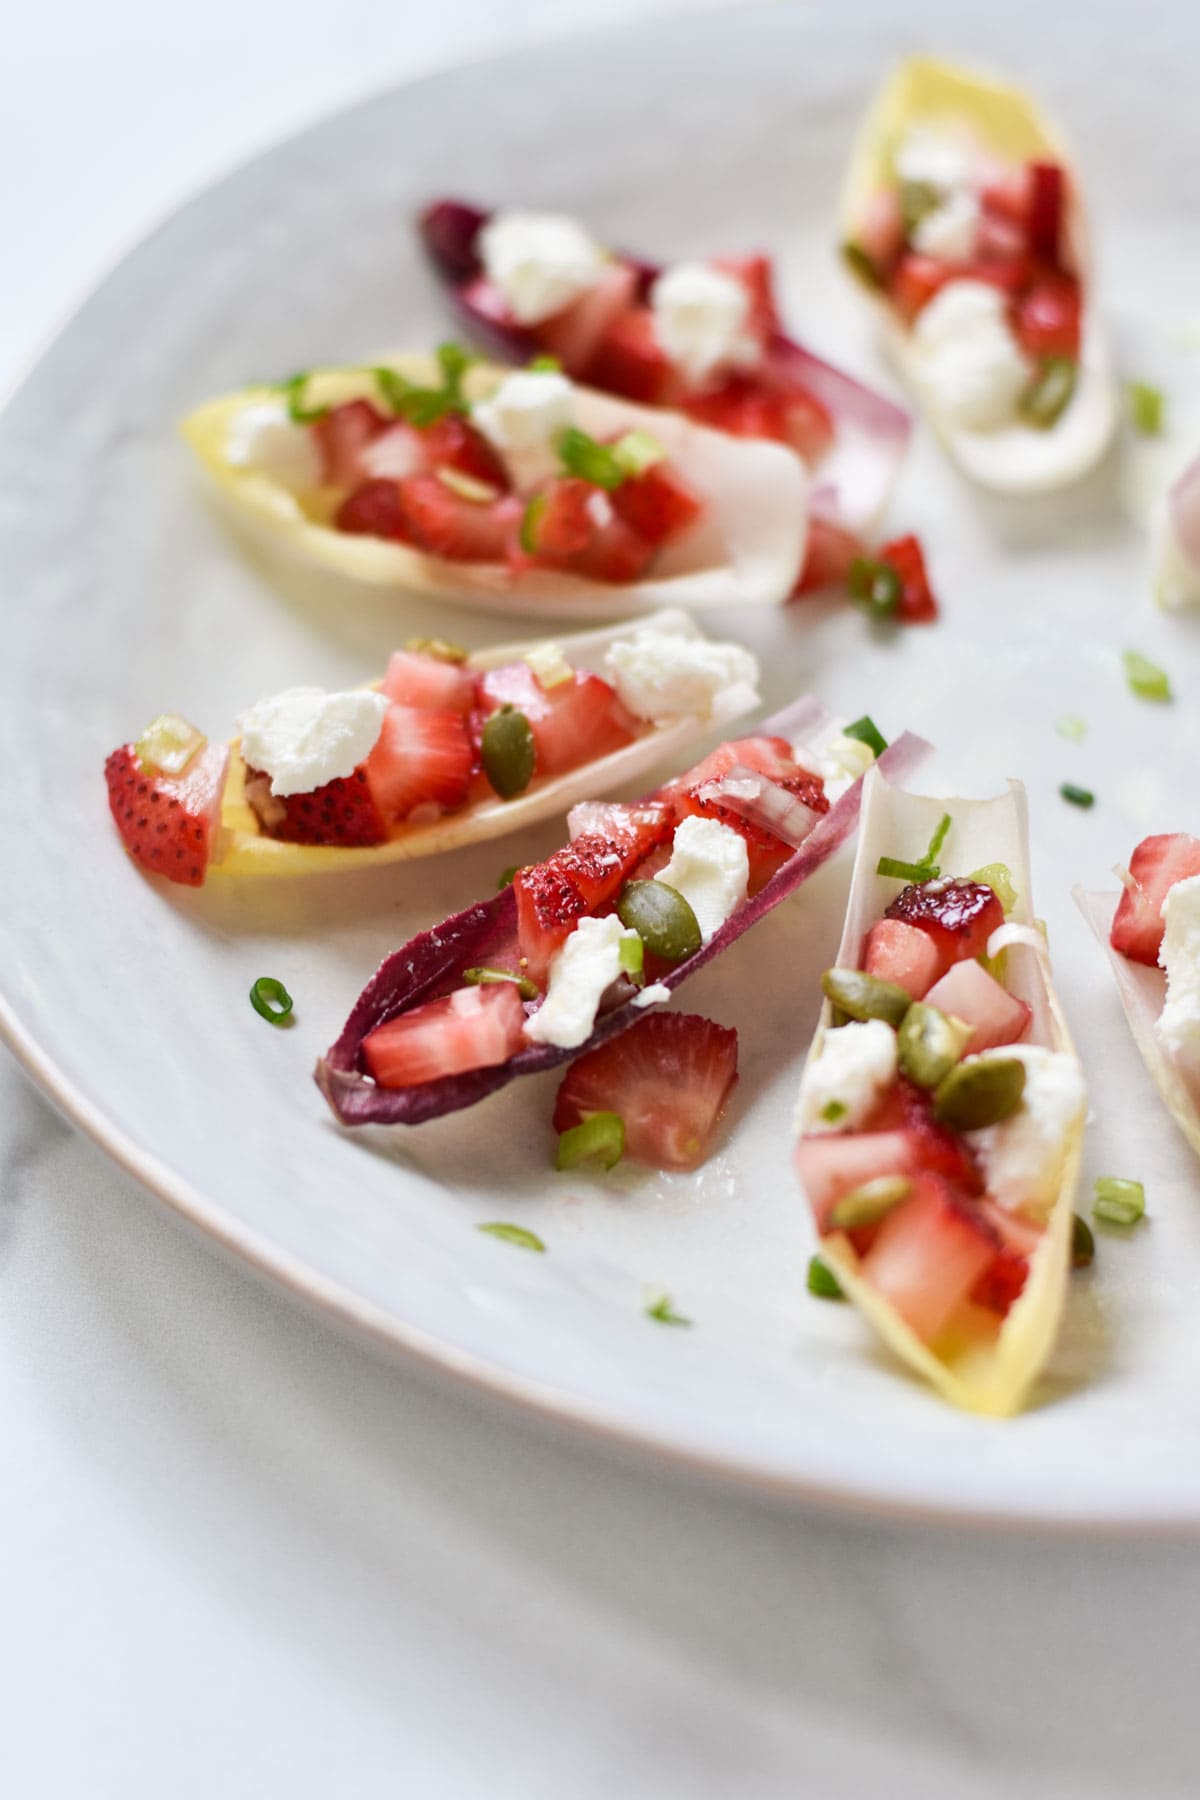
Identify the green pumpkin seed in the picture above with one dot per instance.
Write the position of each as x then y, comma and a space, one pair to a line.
981, 1091
508, 752
662, 918
867, 1204
861, 996
930, 1043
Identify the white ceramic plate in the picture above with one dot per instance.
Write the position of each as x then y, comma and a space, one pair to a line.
124, 594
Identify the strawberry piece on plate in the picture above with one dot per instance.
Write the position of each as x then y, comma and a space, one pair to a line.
960, 916
373, 510
928, 1254
443, 523
667, 1078
579, 879
342, 435
422, 759
906, 559
342, 812
473, 1028
903, 955
572, 721
658, 505
168, 823
969, 993
1155, 866
415, 678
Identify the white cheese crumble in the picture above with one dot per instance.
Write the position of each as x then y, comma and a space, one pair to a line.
524, 419
581, 972
1178, 1025
262, 437
700, 319
710, 867
1022, 1158
856, 1065
949, 230
540, 262
305, 737
664, 675
934, 157
652, 995
967, 359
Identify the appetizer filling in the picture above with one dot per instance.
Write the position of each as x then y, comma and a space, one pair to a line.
933, 1139
973, 257
1157, 922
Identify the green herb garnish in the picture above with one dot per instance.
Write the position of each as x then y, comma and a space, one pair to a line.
545, 365
1145, 678
632, 953
513, 1234
662, 1310
293, 392
590, 460
822, 1281
997, 876
636, 452
422, 406
527, 989
928, 868
1147, 408
834, 1111
507, 877
875, 586
1118, 1202
1078, 796
867, 732
271, 1000
600, 1138
1069, 726
1049, 393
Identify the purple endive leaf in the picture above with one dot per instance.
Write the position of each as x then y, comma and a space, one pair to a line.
432, 963
448, 229
1183, 502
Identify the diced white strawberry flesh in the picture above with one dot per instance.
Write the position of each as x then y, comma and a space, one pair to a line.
473, 1028
904, 955
422, 759
414, 678
831, 1164
969, 993
928, 1254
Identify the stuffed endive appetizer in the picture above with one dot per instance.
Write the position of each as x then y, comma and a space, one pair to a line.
1152, 935
942, 1106
448, 748
573, 950
962, 216
515, 490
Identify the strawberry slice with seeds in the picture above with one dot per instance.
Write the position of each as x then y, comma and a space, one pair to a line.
443, 523
1155, 866
473, 1028
341, 437
658, 504
928, 1254
341, 812
422, 759
373, 510
168, 823
581, 878
960, 916
668, 1078
453, 442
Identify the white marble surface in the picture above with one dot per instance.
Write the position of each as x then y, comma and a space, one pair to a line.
239, 1555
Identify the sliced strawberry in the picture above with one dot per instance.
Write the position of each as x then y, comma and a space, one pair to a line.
658, 505
928, 1254
341, 437
630, 360
373, 510
969, 993
453, 442
558, 521
831, 1164
573, 721
879, 233
616, 553
422, 759
765, 755
1048, 317
341, 812
918, 278
581, 878
168, 823
1046, 201
903, 955
830, 551
960, 916
1001, 1283
906, 558
743, 408
667, 1078
1155, 866
473, 1028
935, 1147
415, 678
1001, 240
757, 276
574, 335
442, 523
395, 453
617, 818
809, 427
1007, 196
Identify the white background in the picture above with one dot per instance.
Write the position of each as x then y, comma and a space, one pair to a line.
241, 1556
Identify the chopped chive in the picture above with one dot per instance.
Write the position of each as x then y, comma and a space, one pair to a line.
860, 265
662, 1310
867, 732
936, 841
590, 460
293, 390
632, 953
1145, 678
1118, 1202
834, 1111
1078, 796
271, 1000
513, 1234
997, 876
507, 877
1083, 1244
875, 586
600, 1138
423, 406
822, 1281
636, 452
1069, 726
1049, 392
902, 871
1147, 408
545, 365
531, 518
527, 989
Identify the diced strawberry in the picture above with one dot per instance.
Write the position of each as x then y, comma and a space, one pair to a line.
1001, 1283
453, 442
743, 408
969, 993
809, 428
579, 879
831, 1164
1048, 317
1046, 200
1001, 240
960, 916
373, 510
659, 505
558, 522
1155, 866
879, 233
341, 437
341, 812
928, 1254
616, 553
934, 1146
473, 1028
617, 818
830, 551
667, 1078
442, 523
415, 678
168, 823
906, 558
765, 755
918, 278
757, 276
1006, 195
630, 360
397, 452
422, 759
572, 722
903, 955
765, 851
574, 334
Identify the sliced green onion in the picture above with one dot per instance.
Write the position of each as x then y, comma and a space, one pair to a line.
528, 990
834, 1111
632, 954
1078, 796
590, 460
1118, 1202
1083, 1244
895, 870
298, 413
822, 1281
1147, 408
271, 1000
169, 744
513, 1234
1145, 678
1049, 393
867, 1204
1072, 727
454, 362
507, 876
997, 876
600, 1138
426, 405
861, 266
531, 518
545, 365
875, 586
637, 451
867, 732
936, 842
662, 1310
